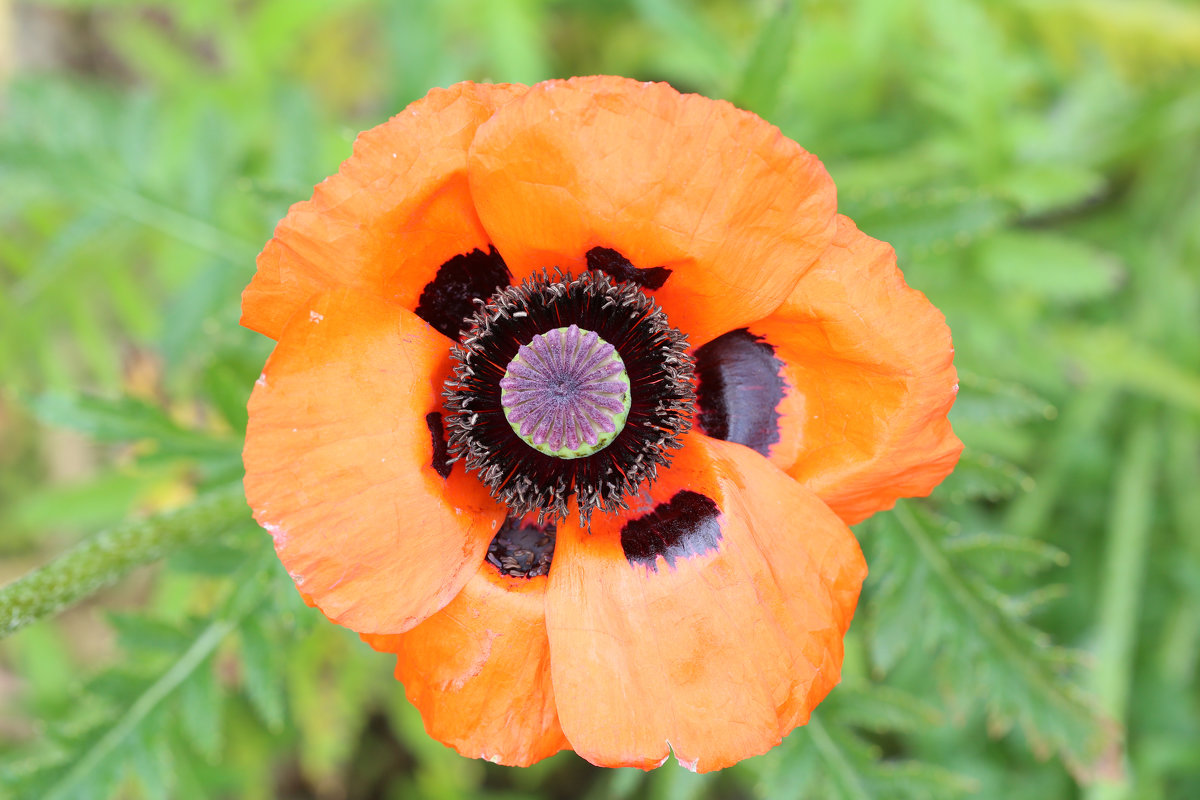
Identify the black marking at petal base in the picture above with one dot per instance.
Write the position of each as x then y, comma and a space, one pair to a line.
739, 390
448, 299
686, 526
522, 548
437, 432
619, 268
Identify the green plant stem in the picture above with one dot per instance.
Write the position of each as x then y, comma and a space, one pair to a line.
106, 557
1121, 583
1181, 647
1030, 512
762, 79
251, 585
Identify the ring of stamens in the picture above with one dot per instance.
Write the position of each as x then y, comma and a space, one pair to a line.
660, 397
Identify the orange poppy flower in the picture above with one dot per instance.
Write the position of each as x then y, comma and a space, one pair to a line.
577, 388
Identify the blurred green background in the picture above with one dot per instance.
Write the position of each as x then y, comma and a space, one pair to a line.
1032, 631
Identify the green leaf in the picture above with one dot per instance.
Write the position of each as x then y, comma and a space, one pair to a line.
104, 499
827, 759
984, 476
200, 706
1046, 188
214, 559
998, 553
880, 708
123, 419
263, 664
103, 752
116, 687
326, 692
54, 263
985, 649
762, 79
1111, 357
988, 400
929, 220
1049, 266
229, 391
139, 633
151, 762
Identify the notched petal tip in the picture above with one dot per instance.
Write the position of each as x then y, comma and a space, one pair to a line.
719, 654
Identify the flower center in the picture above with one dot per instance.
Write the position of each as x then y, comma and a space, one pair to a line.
566, 393
568, 388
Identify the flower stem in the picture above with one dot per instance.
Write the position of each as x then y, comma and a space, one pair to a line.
1129, 541
251, 584
106, 557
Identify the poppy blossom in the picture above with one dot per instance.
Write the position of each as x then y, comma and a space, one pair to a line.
576, 390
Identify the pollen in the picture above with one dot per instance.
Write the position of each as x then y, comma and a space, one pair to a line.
566, 393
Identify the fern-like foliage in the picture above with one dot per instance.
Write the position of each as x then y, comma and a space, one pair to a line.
162, 690
979, 639
92, 167
848, 751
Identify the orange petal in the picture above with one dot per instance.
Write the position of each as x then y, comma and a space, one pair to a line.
721, 198
396, 210
342, 469
867, 363
479, 671
708, 619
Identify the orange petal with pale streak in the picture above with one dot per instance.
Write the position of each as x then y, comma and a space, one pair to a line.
479, 671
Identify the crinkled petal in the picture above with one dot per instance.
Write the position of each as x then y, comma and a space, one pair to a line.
396, 210
706, 620
868, 374
343, 468
718, 196
479, 671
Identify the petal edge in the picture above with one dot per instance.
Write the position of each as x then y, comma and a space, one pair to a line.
340, 466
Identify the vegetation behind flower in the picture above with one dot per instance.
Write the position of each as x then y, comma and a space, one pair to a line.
1033, 164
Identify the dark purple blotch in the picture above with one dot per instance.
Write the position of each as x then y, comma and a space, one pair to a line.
739, 388
437, 432
687, 525
447, 300
619, 268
